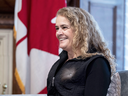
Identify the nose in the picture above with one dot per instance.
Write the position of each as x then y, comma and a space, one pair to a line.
59, 31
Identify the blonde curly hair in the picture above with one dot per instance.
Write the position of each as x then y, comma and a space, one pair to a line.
87, 34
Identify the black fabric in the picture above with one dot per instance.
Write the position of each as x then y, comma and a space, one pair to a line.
98, 78
77, 77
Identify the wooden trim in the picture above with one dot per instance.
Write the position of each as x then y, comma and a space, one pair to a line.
6, 36
73, 3
6, 21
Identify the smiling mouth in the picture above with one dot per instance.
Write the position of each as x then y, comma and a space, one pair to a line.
62, 39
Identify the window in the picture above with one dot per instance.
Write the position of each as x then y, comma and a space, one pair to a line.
126, 37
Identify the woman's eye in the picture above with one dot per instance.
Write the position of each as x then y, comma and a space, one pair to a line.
64, 27
57, 28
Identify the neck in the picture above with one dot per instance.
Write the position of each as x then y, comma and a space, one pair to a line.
72, 55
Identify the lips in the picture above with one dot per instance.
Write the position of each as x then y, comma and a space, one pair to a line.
62, 38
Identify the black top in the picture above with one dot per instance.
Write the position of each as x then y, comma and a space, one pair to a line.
77, 77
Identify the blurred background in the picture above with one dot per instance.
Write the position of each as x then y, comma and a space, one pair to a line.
111, 15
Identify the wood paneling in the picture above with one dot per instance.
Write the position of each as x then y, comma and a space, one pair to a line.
6, 21
7, 6
75, 3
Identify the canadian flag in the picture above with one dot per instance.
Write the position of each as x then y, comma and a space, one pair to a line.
36, 43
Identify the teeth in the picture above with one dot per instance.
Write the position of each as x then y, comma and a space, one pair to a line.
61, 39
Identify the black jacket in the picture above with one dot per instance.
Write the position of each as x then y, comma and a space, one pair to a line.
78, 77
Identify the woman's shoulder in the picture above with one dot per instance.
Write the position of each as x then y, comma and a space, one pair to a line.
96, 59
99, 64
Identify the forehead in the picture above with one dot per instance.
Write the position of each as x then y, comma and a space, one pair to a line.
62, 20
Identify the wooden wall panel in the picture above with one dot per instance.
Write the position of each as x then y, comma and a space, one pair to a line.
7, 6
6, 21
74, 3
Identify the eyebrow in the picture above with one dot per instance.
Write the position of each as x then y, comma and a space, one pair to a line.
61, 25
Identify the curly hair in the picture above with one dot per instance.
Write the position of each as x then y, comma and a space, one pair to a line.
87, 34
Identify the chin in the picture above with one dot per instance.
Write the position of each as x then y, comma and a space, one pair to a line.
62, 48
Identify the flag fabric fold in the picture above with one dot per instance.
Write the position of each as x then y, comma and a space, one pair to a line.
36, 44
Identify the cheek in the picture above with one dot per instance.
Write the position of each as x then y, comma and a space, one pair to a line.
56, 35
72, 35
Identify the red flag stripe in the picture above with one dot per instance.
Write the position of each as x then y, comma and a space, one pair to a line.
44, 91
22, 39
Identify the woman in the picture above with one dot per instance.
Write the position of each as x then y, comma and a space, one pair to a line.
85, 65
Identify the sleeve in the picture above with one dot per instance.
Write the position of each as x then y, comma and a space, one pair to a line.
98, 78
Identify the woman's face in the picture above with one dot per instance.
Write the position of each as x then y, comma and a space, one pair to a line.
64, 33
